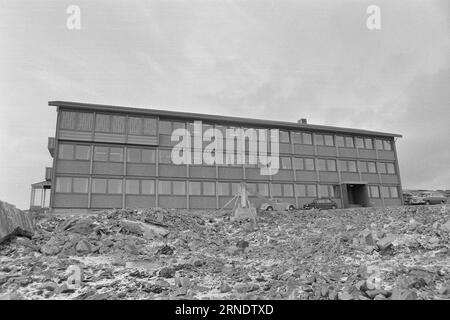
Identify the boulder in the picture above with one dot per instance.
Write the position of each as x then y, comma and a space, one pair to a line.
147, 230
14, 222
386, 242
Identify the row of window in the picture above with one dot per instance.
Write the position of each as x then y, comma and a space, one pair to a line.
208, 188
385, 192
106, 123
148, 126
134, 155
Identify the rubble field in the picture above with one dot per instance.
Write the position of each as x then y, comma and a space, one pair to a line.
346, 254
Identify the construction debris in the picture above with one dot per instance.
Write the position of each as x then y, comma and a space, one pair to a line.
349, 254
14, 222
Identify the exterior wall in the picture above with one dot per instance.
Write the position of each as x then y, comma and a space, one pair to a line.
130, 131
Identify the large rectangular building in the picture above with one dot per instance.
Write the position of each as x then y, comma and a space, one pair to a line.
119, 157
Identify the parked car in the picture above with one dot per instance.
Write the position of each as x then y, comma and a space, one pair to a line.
428, 198
321, 203
407, 198
275, 204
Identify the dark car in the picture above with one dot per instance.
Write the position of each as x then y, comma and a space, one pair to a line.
321, 203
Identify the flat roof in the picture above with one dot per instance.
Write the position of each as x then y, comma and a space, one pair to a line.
216, 118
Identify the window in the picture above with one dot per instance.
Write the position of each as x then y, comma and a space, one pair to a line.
224, 189
98, 185
116, 154
340, 142
349, 142
323, 191
234, 188
284, 136
132, 186
394, 192
150, 125
163, 187
369, 143
65, 151
63, 184
178, 125
195, 188
134, 155
387, 145
114, 186
165, 127
135, 125
359, 142
318, 139
390, 168
378, 144
148, 156
82, 152
165, 156
329, 140
296, 137
331, 165
263, 189
307, 138
179, 187
275, 190
148, 187
298, 163
321, 165
300, 190
102, 123
351, 166
286, 163
381, 167
374, 192
209, 188
251, 187
101, 153
342, 165
384, 192
362, 166
371, 167
288, 190
80, 185
309, 164
311, 190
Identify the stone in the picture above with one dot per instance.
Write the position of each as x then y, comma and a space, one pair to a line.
50, 286
446, 226
368, 237
345, 296
224, 287
165, 250
242, 244
379, 297
14, 222
148, 231
403, 294
386, 242
167, 272
373, 293
83, 247
434, 240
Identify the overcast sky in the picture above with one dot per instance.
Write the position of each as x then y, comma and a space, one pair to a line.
280, 60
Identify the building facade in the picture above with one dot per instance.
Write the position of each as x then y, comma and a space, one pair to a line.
119, 157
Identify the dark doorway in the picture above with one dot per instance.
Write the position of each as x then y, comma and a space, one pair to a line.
357, 195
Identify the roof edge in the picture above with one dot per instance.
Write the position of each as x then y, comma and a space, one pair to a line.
211, 117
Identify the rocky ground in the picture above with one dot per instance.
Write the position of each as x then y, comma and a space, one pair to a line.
367, 253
